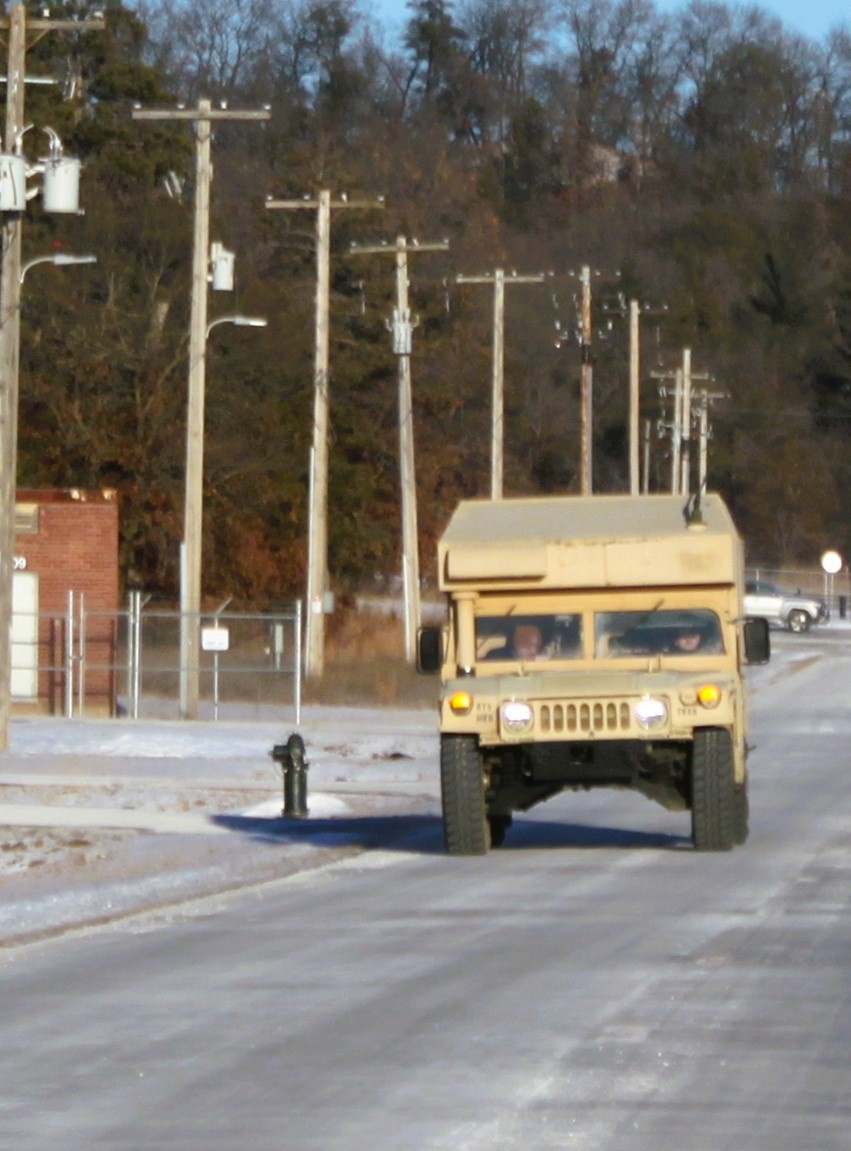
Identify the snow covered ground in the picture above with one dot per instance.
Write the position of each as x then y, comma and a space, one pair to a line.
103, 818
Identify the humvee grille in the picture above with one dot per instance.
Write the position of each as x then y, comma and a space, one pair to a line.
587, 717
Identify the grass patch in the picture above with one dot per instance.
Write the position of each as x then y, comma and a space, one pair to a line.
365, 665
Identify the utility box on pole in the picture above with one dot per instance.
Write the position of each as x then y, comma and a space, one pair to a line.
61, 187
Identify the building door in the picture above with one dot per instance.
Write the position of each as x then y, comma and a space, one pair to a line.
25, 636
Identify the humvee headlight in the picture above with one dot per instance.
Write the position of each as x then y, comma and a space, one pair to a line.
709, 695
517, 716
461, 702
651, 712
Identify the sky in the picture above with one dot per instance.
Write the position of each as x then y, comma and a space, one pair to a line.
813, 20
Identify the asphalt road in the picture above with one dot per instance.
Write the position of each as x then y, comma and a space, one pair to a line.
595, 984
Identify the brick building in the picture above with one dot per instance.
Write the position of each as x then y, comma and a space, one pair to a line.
65, 600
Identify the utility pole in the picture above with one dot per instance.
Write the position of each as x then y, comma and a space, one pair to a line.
635, 312
19, 27
664, 391
677, 432
634, 397
317, 517
681, 422
704, 447
190, 564
586, 381
645, 485
498, 279
702, 402
402, 329
586, 384
685, 481
686, 411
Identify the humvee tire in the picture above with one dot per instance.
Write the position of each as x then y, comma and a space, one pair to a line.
712, 790
466, 830
741, 815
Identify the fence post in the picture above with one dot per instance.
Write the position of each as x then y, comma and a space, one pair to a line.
81, 642
134, 611
297, 662
69, 658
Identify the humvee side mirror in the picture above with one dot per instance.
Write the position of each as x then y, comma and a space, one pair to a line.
429, 650
757, 641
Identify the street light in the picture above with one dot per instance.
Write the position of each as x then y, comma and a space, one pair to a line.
60, 259
13, 280
239, 321
190, 557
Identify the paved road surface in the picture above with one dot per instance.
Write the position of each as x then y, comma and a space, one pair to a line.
594, 985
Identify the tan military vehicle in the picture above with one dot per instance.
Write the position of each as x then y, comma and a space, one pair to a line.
592, 642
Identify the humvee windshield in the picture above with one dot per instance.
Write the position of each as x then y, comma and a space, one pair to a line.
626, 633
529, 637
617, 634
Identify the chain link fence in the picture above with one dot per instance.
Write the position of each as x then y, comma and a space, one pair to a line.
127, 663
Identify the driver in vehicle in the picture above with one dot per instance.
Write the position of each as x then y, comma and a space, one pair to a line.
528, 642
689, 641
696, 639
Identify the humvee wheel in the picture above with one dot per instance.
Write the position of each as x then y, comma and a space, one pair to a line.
712, 790
466, 830
741, 813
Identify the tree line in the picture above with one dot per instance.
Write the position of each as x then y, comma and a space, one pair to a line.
698, 162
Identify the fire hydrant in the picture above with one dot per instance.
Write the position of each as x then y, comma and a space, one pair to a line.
290, 757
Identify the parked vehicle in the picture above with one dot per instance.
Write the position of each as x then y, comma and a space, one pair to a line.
791, 610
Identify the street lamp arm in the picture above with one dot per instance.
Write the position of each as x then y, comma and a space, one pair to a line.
239, 321
60, 259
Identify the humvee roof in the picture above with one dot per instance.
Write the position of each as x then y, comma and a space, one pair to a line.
589, 541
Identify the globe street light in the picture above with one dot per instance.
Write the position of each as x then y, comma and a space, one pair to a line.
190, 557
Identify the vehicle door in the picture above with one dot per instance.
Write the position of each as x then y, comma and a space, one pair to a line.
763, 599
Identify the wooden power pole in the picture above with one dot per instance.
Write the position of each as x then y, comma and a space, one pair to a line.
190, 566
317, 516
586, 384
499, 281
402, 329
20, 26
635, 313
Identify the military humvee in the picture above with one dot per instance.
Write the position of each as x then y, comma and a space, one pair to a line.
592, 642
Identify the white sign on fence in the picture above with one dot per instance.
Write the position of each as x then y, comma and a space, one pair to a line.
215, 639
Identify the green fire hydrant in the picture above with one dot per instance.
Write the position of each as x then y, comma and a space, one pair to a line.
291, 759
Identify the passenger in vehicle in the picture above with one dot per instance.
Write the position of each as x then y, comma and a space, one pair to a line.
696, 639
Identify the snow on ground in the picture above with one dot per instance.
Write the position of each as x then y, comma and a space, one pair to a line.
101, 818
